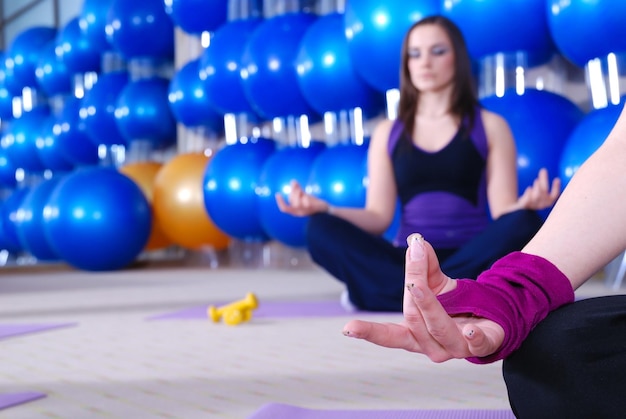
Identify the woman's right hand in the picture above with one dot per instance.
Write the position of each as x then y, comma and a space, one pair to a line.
300, 203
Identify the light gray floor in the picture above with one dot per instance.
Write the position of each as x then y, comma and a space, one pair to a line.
115, 364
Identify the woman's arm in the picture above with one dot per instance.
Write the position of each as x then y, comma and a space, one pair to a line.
380, 204
586, 229
502, 182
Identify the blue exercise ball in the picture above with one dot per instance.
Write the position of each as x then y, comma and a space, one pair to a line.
6, 97
8, 215
71, 137
76, 50
230, 183
599, 24
52, 74
326, 74
20, 139
93, 20
97, 108
541, 123
339, 175
221, 64
375, 30
29, 223
140, 29
269, 75
189, 100
496, 26
285, 165
49, 149
23, 55
7, 171
97, 219
143, 112
197, 16
586, 138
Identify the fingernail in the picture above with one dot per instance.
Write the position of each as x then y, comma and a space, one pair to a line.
415, 292
416, 246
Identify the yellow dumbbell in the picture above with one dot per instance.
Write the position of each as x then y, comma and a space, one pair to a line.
236, 312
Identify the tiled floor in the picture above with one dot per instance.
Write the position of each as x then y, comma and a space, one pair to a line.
115, 363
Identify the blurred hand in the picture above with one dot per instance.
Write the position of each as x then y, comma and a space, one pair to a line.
539, 195
301, 204
427, 328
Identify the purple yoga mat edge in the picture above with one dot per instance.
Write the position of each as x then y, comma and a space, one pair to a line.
285, 411
14, 399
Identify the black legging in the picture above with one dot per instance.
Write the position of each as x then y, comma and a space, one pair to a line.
373, 269
573, 364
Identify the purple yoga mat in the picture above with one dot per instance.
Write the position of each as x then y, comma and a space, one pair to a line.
285, 411
13, 399
271, 310
16, 329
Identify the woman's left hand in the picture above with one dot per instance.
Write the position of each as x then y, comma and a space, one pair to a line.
427, 328
539, 195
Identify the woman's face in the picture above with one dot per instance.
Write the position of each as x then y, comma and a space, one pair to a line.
430, 58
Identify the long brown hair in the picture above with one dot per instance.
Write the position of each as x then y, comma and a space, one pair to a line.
464, 98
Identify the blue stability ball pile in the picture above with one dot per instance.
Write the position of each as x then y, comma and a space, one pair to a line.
221, 65
541, 123
230, 186
285, 165
269, 66
189, 101
588, 135
599, 25
29, 224
98, 219
338, 175
375, 29
326, 75
496, 26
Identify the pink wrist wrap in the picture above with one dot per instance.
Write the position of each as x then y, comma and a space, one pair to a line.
517, 292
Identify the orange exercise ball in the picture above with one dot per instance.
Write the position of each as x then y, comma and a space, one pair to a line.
179, 204
144, 174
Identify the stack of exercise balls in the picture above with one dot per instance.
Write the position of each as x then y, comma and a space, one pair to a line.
599, 47
288, 69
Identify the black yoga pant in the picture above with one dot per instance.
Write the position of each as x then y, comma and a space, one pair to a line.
573, 364
373, 269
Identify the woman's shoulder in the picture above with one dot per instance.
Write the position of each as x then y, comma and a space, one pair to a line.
496, 127
381, 133
492, 120
382, 128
